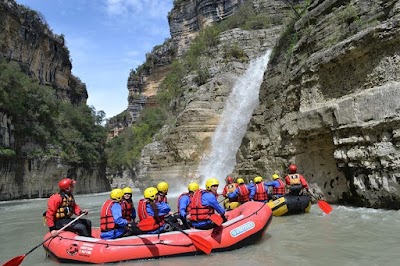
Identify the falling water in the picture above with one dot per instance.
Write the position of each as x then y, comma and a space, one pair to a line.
236, 115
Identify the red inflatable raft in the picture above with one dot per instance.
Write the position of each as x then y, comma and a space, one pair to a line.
246, 224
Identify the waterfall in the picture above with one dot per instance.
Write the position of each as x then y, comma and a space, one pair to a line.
237, 113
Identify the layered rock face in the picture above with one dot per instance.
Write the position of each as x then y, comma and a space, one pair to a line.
331, 105
176, 156
26, 39
187, 18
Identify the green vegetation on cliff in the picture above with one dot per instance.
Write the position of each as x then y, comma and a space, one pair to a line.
124, 151
46, 127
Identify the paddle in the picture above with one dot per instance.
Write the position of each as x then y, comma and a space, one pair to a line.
217, 219
198, 241
18, 260
323, 205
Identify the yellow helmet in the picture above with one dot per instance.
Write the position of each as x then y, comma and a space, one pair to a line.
193, 187
116, 194
240, 181
163, 187
258, 179
275, 176
211, 182
127, 190
150, 193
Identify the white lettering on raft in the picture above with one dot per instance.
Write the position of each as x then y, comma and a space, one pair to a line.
242, 229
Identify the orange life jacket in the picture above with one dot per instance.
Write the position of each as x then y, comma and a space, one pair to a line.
199, 212
106, 218
281, 190
261, 193
127, 210
294, 179
244, 194
66, 209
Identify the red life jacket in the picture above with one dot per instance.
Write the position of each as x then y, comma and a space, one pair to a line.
127, 210
106, 218
199, 212
188, 208
143, 214
244, 194
281, 190
261, 193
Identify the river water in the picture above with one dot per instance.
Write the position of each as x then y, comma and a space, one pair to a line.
347, 236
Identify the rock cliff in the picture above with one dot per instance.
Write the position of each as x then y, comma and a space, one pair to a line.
26, 38
176, 156
330, 103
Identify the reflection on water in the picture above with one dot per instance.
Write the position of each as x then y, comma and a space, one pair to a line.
348, 236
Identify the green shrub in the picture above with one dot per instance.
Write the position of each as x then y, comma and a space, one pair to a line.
48, 123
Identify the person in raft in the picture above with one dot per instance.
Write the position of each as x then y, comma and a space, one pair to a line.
112, 223
243, 192
162, 188
184, 204
230, 187
128, 208
204, 204
62, 206
150, 209
295, 181
278, 187
261, 190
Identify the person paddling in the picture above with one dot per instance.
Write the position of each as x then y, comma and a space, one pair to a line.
243, 192
128, 208
112, 223
62, 206
261, 190
184, 201
295, 181
278, 187
204, 204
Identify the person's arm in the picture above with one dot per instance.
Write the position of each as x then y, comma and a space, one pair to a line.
225, 191
116, 211
272, 184
287, 180
234, 194
252, 190
183, 203
303, 182
209, 199
52, 206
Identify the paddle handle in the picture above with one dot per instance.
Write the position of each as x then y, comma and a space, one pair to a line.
59, 231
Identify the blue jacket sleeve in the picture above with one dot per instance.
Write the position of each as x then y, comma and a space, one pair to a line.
233, 194
252, 190
116, 211
163, 209
272, 184
183, 203
209, 199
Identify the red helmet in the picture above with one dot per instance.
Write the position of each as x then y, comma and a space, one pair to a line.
229, 180
292, 168
65, 183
